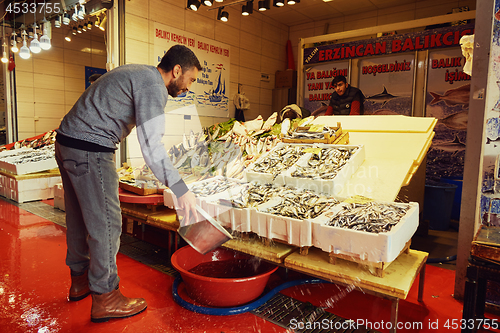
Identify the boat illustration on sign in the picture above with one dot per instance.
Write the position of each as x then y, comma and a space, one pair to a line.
216, 95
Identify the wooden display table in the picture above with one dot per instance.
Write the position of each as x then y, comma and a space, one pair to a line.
396, 284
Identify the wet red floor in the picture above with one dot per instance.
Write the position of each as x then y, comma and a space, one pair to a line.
34, 282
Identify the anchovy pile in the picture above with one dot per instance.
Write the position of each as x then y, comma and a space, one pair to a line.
369, 217
29, 155
301, 204
252, 195
205, 189
279, 160
303, 133
326, 164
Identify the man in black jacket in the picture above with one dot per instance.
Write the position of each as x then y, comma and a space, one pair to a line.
346, 100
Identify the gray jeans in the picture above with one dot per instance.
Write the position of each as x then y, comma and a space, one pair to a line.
93, 214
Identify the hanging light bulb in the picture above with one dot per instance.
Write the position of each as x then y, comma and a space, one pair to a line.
89, 25
80, 29
74, 30
84, 27
24, 52
45, 39
35, 44
13, 42
5, 59
57, 21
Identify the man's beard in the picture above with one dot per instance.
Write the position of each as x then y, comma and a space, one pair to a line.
174, 88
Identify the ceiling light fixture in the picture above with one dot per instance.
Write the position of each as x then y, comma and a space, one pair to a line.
247, 9
45, 39
97, 22
13, 42
68, 35
66, 18
5, 59
24, 52
292, 2
222, 15
57, 21
89, 25
81, 12
74, 17
193, 5
102, 26
264, 5
74, 30
278, 3
207, 3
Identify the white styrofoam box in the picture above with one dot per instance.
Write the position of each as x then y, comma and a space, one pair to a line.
32, 167
3, 187
293, 231
266, 178
236, 219
10, 161
327, 186
372, 247
31, 195
59, 197
31, 189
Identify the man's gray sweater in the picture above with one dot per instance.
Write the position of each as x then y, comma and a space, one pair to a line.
127, 96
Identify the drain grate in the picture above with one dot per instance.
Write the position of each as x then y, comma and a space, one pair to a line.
303, 317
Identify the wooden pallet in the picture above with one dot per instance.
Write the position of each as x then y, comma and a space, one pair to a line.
375, 268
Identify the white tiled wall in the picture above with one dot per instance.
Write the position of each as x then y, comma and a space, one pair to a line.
49, 83
258, 46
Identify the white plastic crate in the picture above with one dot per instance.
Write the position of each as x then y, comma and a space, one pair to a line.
372, 247
328, 187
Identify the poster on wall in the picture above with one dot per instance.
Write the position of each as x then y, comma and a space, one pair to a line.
209, 96
317, 85
387, 83
447, 99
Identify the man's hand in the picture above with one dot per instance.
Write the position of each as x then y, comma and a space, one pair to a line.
188, 204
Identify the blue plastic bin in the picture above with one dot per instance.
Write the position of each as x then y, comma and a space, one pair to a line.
438, 202
457, 200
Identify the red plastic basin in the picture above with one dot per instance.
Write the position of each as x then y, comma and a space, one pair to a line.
219, 292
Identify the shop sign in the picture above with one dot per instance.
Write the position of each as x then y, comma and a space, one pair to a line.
422, 40
447, 99
317, 84
209, 96
387, 84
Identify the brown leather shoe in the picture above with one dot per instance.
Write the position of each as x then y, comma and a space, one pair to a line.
115, 305
79, 287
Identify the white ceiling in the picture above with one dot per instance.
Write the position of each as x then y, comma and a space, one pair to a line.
315, 10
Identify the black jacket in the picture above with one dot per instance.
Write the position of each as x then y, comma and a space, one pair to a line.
342, 104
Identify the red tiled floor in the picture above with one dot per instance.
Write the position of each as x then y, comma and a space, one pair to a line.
34, 282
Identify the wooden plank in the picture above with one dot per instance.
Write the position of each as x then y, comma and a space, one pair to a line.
376, 268
44, 174
398, 279
275, 252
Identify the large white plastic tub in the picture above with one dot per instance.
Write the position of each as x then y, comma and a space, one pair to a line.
372, 247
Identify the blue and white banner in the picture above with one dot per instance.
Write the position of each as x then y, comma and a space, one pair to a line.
209, 96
